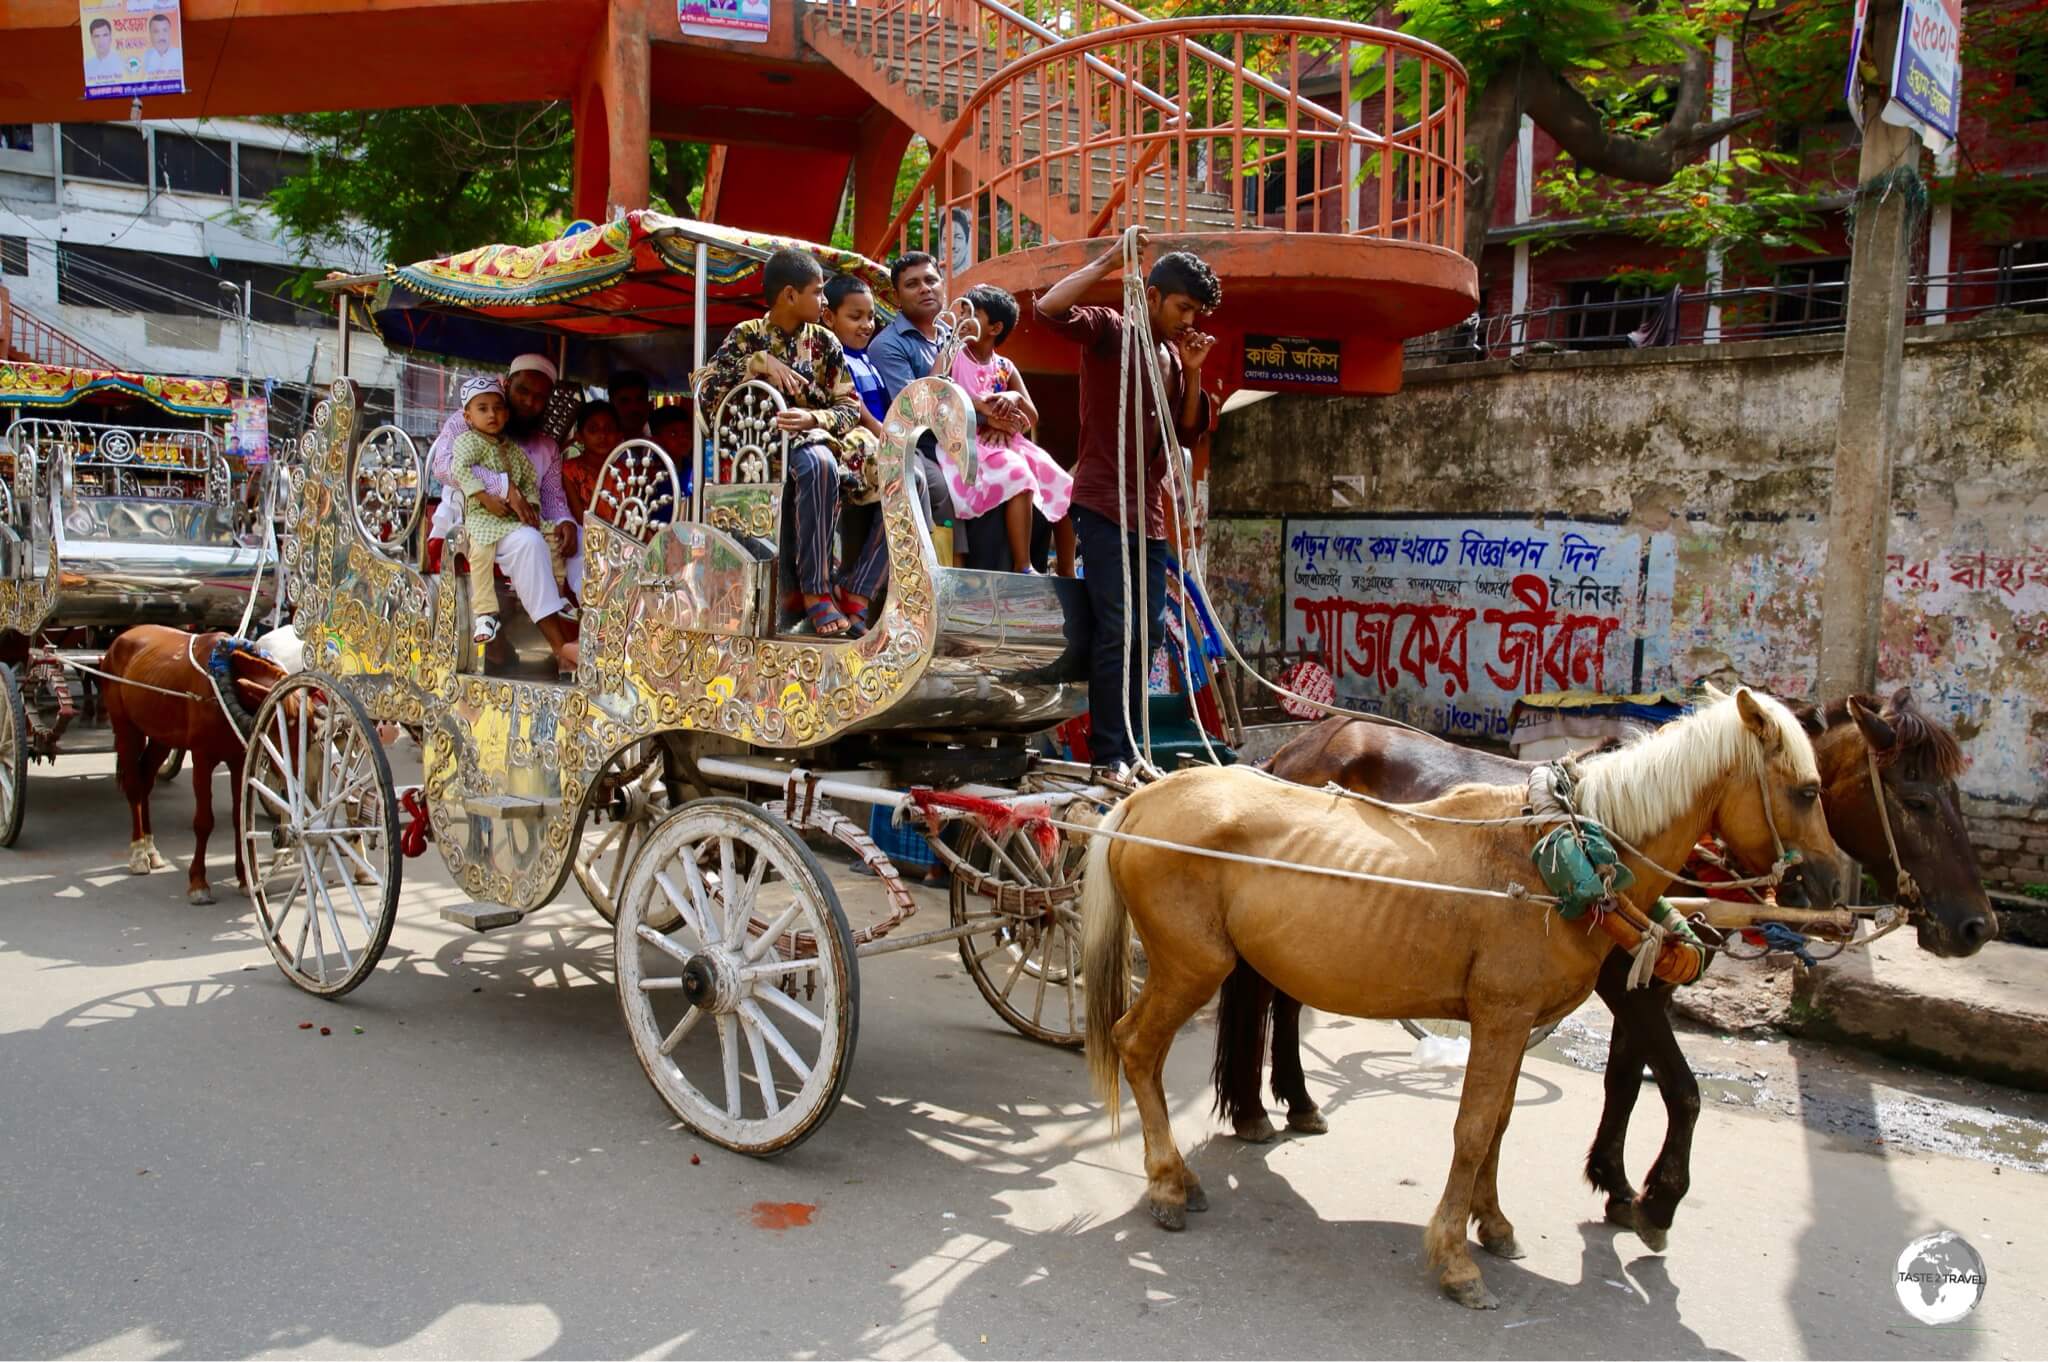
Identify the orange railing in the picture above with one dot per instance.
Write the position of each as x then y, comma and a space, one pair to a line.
1188, 125
29, 337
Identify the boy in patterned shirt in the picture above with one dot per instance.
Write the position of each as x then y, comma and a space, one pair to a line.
832, 457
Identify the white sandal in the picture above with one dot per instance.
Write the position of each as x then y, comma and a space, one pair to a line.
486, 629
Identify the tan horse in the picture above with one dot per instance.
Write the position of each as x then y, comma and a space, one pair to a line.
1741, 765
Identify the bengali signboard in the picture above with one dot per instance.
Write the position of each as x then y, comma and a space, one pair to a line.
132, 48
1292, 360
1927, 72
1445, 623
735, 21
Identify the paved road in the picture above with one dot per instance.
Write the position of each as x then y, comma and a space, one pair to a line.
484, 1171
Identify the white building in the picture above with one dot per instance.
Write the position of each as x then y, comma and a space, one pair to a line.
123, 235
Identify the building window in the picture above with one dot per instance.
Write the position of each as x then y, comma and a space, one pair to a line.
264, 168
2023, 276
194, 165
13, 255
106, 151
1600, 313
17, 137
1808, 295
182, 286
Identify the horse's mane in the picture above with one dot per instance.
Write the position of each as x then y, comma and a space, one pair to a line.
1648, 784
1927, 750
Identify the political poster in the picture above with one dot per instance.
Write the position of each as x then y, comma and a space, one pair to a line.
1927, 71
736, 21
131, 48
249, 430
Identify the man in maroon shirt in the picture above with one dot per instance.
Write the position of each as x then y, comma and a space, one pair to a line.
1180, 290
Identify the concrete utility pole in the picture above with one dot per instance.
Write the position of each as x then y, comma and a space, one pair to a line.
1873, 348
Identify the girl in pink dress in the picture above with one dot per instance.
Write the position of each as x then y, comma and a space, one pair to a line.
1015, 474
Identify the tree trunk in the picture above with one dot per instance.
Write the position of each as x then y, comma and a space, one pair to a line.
1492, 120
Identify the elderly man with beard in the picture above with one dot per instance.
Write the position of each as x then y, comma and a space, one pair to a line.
528, 384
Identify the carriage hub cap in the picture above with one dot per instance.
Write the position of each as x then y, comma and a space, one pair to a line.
711, 982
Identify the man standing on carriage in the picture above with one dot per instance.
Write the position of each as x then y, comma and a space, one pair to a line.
1129, 526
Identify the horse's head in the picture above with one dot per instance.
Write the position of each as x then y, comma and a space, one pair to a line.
1774, 802
253, 676
1917, 762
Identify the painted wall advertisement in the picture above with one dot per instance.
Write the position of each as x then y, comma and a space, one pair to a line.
735, 21
1927, 73
132, 48
1445, 623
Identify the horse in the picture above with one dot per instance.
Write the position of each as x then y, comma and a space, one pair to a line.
1917, 762
148, 723
1267, 892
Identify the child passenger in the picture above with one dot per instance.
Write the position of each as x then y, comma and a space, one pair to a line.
506, 531
1015, 474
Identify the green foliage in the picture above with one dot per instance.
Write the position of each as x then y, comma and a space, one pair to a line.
411, 184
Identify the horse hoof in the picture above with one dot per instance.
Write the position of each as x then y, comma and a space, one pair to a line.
1654, 1239
1255, 1132
1621, 1214
1308, 1122
1503, 1247
200, 896
1198, 1200
1472, 1294
1171, 1216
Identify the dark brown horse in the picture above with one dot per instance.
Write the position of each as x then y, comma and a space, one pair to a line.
148, 724
1918, 761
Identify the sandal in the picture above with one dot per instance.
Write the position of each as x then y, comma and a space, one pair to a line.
827, 621
861, 617
486, 630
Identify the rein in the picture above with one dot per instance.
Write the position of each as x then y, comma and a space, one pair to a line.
214, 670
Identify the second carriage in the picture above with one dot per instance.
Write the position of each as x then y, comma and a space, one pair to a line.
702, 737
118, 506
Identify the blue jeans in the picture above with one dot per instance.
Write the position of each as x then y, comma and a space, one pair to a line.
1102, 543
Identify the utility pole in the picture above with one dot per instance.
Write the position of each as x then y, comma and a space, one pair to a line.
1873, 349
245, 297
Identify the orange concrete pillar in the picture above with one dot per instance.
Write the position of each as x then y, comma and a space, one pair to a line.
611, 170
877, 157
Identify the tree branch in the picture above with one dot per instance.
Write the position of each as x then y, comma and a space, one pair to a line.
1581, 130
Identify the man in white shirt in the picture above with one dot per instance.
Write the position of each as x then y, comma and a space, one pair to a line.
103, 67
162, 59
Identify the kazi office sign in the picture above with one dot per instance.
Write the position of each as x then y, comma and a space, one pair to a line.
131, 48
737, 21
1927, 72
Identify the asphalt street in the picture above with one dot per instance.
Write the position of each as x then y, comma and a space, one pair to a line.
471, 1163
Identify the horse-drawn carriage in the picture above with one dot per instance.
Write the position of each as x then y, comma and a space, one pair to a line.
118, 506
693, 698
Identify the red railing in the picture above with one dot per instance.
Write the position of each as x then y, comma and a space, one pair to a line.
31, 338
1172, 123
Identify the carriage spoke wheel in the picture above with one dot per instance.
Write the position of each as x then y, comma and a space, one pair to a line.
745, 1008
1027, 965
13, 755
1420, 1027
638, 793
320, 827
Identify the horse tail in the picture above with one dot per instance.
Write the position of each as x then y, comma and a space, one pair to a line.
1244, 1013
1105, 964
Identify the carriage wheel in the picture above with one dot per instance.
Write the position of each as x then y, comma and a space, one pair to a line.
173, 764
1028, 967
1457, 1030
13, 756
744, 1011
320, 824
635, 808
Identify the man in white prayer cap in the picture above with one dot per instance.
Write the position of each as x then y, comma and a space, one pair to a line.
528, 382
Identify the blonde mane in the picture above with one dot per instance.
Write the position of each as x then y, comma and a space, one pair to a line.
1645, 787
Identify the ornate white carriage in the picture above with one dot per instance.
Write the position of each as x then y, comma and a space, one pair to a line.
693, 698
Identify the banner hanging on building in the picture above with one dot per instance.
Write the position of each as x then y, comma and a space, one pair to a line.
736, 21
132, 48
1927, 72
249, 430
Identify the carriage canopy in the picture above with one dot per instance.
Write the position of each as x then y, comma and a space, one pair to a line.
51, 387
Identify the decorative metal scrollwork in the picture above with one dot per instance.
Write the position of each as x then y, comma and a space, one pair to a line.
637, 489
114, 445
386, 478
958, 325
746, 444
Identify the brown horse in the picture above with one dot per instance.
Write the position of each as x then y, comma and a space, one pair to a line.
1741, 766
148, 724
1917, 761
